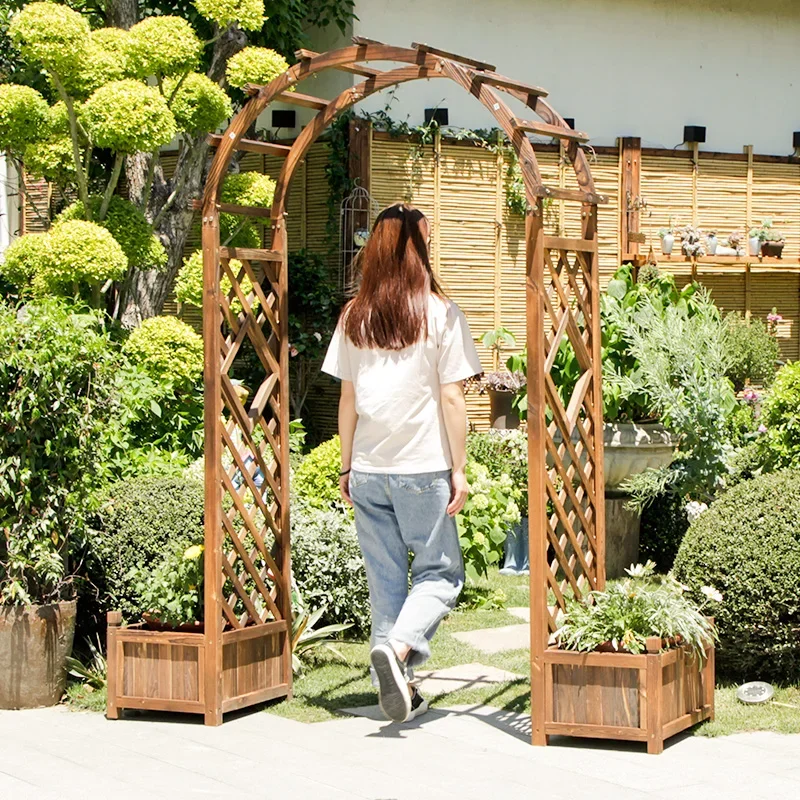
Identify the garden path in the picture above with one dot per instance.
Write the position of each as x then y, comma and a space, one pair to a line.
467, 752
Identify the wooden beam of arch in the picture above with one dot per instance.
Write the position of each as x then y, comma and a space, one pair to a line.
432, 66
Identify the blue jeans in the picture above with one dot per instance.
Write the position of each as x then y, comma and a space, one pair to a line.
396, 514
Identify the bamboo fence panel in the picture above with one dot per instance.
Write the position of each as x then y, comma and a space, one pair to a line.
722, 197
666, 185
776, 196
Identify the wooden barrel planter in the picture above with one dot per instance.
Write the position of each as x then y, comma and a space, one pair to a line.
641, 698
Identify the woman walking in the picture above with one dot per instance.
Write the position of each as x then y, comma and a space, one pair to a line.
402, 352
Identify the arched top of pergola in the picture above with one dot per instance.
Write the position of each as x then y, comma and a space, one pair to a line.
424, 62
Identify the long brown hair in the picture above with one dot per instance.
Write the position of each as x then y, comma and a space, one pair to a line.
390, 311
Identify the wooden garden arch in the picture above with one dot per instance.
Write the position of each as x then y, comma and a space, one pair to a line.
243, 655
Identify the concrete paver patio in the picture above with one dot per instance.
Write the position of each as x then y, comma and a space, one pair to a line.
468, 752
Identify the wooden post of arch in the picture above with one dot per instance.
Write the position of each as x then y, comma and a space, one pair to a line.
243, 655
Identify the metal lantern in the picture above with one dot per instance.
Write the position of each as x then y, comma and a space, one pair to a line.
357, 214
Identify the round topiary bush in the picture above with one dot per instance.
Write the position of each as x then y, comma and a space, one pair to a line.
257, 65
139, 521
24, 115
168, 349
747, 545
162, 45
316, 480
328, 566
248, 13
199, 105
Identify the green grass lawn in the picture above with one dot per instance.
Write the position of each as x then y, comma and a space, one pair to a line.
328, 685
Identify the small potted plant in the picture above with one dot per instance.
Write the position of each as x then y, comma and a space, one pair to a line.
711, 243
667, 236
754, 239
501, 386
692, 244
772, 241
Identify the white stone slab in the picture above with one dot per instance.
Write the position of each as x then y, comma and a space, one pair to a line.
523, 612
497, 640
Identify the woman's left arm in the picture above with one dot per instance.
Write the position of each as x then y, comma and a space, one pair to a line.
347, 430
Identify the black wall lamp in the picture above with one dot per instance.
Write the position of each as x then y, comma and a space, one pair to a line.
440, 116
284, 118
694, 134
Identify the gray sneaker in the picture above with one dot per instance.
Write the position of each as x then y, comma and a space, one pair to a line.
393, 694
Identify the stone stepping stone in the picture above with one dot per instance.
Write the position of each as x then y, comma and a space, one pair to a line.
523, 612
464, 676
497, 640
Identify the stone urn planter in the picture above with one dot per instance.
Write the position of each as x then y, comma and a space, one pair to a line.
628, 449
35, 642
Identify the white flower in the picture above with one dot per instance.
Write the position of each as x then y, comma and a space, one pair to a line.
695, 509
712, 594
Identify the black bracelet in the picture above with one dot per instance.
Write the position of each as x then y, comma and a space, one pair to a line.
344, 472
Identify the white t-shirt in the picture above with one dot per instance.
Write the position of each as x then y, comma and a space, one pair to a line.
400, 426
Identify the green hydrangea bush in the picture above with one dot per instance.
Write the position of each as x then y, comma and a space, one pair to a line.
492, 508
328, 566
168, 349
503, 453
137, 523
747, 545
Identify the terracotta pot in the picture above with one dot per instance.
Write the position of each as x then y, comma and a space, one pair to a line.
35, 642
501, 414
772, 249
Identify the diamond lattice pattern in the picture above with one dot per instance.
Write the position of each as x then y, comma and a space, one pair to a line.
250, 471
570, 430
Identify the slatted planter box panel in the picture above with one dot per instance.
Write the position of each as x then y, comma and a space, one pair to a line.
155, 670
644, 698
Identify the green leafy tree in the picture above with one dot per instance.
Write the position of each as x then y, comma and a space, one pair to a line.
89, 91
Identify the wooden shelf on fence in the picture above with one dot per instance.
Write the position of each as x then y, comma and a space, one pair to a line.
724, 264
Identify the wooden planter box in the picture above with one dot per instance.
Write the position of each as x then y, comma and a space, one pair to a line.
171, 670
642, 698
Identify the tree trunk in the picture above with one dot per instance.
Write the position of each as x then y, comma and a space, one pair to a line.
122, 13
145, 293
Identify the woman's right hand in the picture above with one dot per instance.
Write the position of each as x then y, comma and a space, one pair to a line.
459, 491
344, 488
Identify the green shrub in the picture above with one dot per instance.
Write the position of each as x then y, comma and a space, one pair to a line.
503, 453
129, 226
747, 545
753, 351
128, 116
54, 391
491, 509
748, 462
780, 416
162, 45
664, 524
167, 348
328, 566
257, 65
23, 116
199, 105
248, 13
316, 480
137, 524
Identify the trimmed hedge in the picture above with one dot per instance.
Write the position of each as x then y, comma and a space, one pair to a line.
138, 522
747, 545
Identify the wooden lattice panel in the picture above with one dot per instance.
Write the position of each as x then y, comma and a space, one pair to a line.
250, 472
572, 424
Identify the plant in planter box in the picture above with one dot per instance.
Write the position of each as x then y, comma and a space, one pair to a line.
624, 615
55, 386
502, 386
172, 593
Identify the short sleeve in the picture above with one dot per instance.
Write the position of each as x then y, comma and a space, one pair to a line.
337, 362
458, 358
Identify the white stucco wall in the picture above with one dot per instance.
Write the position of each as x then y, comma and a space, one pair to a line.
620, 67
